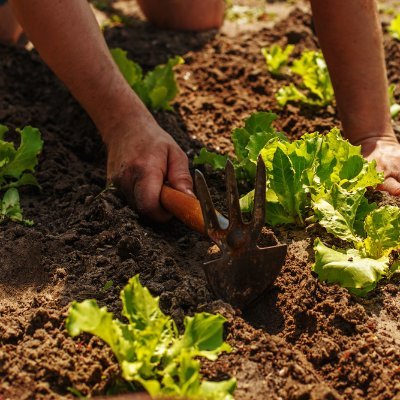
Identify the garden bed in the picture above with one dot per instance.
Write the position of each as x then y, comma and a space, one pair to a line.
302, 340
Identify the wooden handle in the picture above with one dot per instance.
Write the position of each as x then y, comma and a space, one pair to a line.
184, 207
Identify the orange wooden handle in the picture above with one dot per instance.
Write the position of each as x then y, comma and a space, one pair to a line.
184, 207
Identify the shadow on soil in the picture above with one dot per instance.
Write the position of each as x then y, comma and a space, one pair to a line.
265, 313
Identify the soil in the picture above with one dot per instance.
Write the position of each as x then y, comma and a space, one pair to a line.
302, 340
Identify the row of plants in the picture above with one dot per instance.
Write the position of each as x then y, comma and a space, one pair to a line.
152, 354
315, 88
319, 178
156, 89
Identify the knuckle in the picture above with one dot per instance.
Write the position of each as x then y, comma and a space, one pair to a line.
184, 176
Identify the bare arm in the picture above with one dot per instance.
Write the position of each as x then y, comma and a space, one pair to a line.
351, 40
140, 154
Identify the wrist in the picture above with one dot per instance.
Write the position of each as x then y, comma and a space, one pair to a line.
388, 137
120, 114
364, 129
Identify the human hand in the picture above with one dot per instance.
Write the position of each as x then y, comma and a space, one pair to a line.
141, 157
386, 151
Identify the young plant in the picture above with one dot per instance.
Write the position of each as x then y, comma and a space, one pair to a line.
157, 88
358, 269
394, 106
316, 87
277, 57
394, 28
247, 143
16, 167
150, 351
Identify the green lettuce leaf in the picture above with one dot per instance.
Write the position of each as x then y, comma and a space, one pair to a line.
363, 210
291, 93
348, 268
314, 72
316, 88
336, 211
161, 86
216, 161
240, 138
203, 335
394, 106
24, 158
139, 306
342, 163
277, 57
10, 207
131, 71
218, 390
248, 142
16, 165
158, 88
257, 132
3, 131
283, 183
382, 227
394, 28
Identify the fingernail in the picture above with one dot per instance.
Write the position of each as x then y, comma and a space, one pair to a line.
189, 192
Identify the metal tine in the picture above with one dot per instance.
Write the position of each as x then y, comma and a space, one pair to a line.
207, 206
235, 214
258, 219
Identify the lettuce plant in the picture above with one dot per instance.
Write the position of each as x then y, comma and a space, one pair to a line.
16, 167
247, 143
151, 352
316, 87
394, 27
394, 106
157, 88
277, 57
360, 268
299, 172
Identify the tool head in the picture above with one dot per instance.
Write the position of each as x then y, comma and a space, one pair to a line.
244, 270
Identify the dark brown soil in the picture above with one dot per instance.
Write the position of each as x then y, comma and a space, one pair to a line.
302, 340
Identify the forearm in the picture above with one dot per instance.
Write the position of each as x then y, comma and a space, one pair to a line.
67, 36
351, 40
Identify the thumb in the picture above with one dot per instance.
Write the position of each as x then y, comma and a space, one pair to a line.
178, 171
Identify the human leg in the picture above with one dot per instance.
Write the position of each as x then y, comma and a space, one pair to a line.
10, 29
191, 15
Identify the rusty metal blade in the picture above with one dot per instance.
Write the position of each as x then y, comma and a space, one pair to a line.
241, 279
235, 215
207, 205
258, 219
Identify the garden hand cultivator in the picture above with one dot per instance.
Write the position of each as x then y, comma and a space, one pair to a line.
244, 270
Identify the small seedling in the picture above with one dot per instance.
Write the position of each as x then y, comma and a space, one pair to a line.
16, 167
151, 352
107, 286
316, 88
394, 28
157, 88
277, 58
